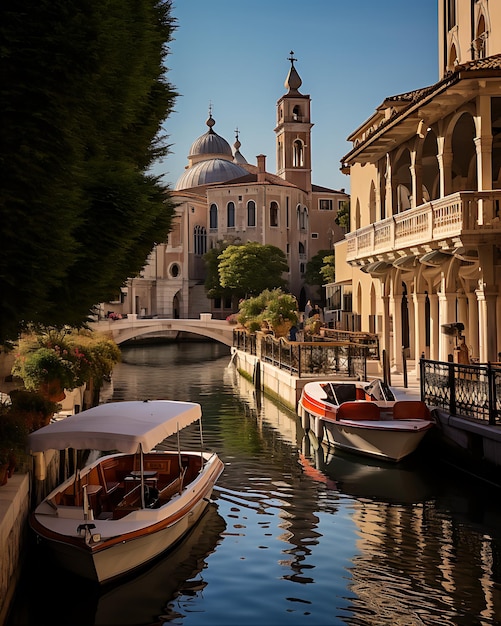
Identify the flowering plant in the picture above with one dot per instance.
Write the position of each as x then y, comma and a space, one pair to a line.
71, 358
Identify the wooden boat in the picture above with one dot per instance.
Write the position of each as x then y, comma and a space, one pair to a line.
364, 418
125, 508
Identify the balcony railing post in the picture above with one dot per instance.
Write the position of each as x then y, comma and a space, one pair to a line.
452, 387
492, 395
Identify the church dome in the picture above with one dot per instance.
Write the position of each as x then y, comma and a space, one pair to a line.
209, 171
210, 143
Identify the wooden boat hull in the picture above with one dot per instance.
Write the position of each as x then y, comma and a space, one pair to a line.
128, 543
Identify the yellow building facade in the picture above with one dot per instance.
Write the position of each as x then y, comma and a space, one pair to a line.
422, 258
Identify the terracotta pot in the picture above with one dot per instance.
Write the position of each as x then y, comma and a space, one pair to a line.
53, 391
4, 474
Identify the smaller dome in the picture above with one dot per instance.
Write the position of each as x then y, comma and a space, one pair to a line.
209, 171
238, 157
210, 143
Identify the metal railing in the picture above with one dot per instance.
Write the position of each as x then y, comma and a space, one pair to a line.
244, 341
307, 358
472, 391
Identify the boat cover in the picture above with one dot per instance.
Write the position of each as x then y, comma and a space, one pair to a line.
122, 426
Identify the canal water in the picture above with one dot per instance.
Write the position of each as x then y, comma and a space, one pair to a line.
295, 535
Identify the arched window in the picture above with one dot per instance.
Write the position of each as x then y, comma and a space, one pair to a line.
200, 240
230, 215
479, 44
251, 213
451, 14
213, 216
303, 218
297, 155
296, 113
273, 214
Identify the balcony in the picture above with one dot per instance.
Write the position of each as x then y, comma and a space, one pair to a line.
460, 220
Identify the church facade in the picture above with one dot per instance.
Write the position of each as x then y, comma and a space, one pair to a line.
221, 197
421, 265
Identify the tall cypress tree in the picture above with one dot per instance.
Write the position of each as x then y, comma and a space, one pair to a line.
82, 98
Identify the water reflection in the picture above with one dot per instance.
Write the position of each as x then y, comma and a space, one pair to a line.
301, 536
143, 598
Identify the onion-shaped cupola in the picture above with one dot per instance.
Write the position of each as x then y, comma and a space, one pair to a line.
237, 155
210, 143
293, 81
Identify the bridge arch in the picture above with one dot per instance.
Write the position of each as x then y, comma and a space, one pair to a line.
134, 327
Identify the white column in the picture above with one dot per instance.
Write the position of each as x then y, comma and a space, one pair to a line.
491, 326
419, 328
385, 338
397, 333
482, 326
446, 316
434, 327
472, 331
444, 158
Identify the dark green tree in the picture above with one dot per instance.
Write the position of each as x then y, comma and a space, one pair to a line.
212, 283
83, 95
343, 215
328, 269
249, 269
313, 274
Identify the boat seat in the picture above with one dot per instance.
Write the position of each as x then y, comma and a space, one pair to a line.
346, 392
174, 487
130, 502
411, 410
361, 410
108, 475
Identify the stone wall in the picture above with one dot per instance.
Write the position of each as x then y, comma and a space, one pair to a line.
14, 509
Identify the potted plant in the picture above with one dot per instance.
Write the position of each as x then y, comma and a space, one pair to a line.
47, 371
13, 441
52, 361
271, 311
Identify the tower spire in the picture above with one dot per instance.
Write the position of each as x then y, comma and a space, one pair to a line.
293, 81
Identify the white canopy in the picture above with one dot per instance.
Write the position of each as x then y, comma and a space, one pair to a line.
121, 426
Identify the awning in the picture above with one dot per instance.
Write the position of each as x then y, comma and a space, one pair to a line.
435, 258
379, 268
406, 262
122, 426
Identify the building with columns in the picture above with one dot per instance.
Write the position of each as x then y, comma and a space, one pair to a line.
424, 247
222, 197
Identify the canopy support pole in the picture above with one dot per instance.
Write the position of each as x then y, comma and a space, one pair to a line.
143, 504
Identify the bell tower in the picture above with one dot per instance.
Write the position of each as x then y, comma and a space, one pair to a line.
293, 132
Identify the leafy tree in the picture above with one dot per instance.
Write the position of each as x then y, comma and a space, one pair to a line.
313, 274
251, 268
212, 284
82, 100
328, 269
343, 215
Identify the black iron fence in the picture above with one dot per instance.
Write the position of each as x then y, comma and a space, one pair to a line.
466, 390
307, 358
245, 341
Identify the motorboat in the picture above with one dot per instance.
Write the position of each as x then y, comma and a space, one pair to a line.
129, 506
363, 417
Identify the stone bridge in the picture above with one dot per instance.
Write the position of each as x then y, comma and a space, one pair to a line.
134, 327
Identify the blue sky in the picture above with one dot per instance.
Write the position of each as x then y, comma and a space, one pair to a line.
350, 56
